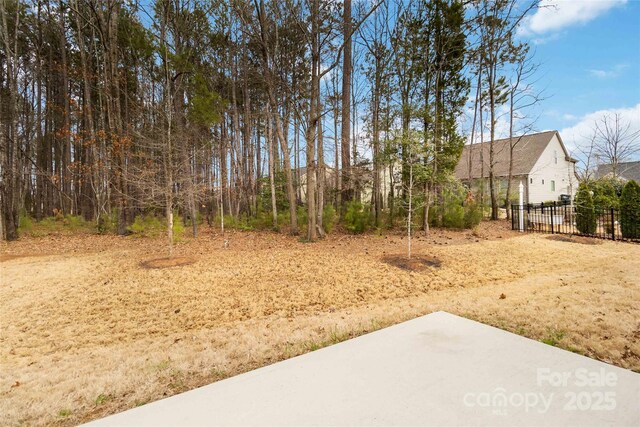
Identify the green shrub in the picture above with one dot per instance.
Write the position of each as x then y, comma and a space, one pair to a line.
630, 210
74, 222
152, 226
178, 227
280, 183
303, 218
283, 218
585, 211
107, 223
243, 223
328, 218
264, 221
606, 193
472, 214
147, 226
456, 208
453, 215
58, 224
25, 224
356, 217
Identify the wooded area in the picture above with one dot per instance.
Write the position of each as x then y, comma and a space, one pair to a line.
113, 109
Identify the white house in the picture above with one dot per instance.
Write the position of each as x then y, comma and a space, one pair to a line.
540, 161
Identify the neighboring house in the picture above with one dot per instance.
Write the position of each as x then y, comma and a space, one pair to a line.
362, 181
540, 161
330, 180
627, 171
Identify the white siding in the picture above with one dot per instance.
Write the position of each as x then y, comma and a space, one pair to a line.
548, 170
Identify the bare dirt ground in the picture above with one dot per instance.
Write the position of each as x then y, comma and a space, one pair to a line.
92, 325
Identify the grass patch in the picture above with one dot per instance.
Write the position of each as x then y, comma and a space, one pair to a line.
335, 336
64, 413
103, 398
162, 366
554, 336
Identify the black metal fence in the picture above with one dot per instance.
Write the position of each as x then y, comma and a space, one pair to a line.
559, 218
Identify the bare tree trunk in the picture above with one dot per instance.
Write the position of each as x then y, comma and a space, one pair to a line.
346, 193
376, 196
88, 207
321, 173
274, 209
312, 124
473, 126
224, 183
336, 145
511, 147
167, 152
67, 207
284, 144
492, 129
482, 182
11, 176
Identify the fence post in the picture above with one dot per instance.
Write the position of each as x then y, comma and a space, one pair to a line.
520, 207
613, 226
551, 215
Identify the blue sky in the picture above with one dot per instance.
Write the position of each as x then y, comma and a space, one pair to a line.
589, 52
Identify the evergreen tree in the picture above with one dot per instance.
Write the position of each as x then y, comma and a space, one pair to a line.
630, 210
585, 210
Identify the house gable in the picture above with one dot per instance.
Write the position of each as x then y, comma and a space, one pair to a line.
526, 151
553, 174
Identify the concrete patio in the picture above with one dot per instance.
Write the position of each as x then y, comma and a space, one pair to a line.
438, 369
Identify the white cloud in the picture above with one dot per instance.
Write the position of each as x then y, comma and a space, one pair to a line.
610, 73
578, 135
601, 74
538, 41
556, 15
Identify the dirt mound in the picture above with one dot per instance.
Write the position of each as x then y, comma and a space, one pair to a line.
576, 239
415, 263
167, 262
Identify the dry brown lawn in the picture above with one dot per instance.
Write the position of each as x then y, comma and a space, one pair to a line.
92, 325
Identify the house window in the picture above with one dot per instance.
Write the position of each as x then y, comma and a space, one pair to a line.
543, 182
553, 186
530, 180
555, 157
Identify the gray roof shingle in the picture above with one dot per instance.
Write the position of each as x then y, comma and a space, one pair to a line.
627, 171
526, 152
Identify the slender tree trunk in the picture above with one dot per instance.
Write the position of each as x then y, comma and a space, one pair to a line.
492, 112
375, 122
473, 126
10, 165
346, 193
223, 167
88, 176
272, 185
67, 206
312, 125
321, 173
284, 144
